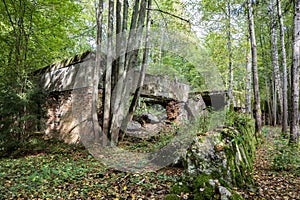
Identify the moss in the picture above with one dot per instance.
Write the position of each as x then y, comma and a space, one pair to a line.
233, 170
172, 197
202, 188
224, 183
215, 175
242, 142
235, 196
201, 181
206, 194
179, 188
209, 192
239, 147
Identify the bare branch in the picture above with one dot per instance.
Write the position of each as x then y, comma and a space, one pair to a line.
171, 14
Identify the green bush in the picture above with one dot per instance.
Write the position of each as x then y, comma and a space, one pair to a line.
20, 113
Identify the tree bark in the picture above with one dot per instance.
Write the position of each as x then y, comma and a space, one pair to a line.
275, 62
117, 65
108, 73
230, 88
257, 111
120, 87
268, 115
132, 35
274, 101
96, 72
143, 68
294, 129
284, 72
248, 83
132, 50
268, 119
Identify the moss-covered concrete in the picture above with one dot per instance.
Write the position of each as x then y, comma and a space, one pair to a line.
220, 160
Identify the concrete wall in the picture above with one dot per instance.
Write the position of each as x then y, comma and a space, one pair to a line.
64, 80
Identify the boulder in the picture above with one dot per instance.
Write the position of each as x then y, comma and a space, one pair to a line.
204, 157
226, 154
221, 159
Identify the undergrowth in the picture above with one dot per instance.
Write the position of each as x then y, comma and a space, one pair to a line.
285, 156
54, 170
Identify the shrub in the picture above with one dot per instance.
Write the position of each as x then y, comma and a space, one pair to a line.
20, 112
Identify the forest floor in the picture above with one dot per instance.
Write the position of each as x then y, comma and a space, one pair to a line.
53, 170
276, 169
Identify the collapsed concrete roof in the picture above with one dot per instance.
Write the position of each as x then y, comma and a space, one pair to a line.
76, 72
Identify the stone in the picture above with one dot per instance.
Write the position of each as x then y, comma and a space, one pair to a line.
183, 115
150, 118
145, 131
159, 111
195, 107
158, 108
225, 154
224, 192
68, 74
202, 157
134, 126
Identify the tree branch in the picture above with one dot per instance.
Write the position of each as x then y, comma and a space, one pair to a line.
171, 14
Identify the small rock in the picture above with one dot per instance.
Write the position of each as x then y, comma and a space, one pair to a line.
225, 193
150, 118
134, 126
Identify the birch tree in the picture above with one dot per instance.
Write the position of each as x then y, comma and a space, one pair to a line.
284, 71
277, 94
248, 83
257, 111
294, 127
230, 88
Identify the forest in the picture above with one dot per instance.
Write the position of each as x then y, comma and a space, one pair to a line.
149, 99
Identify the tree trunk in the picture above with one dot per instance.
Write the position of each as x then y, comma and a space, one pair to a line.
230, 89
120, 87
96, 72
295, 76
117, 64
132, 35
143, 68
268, 112
274, 101
275, 63
123, 89
248, 84
254, 70
284, 74
108, 73
268, 119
